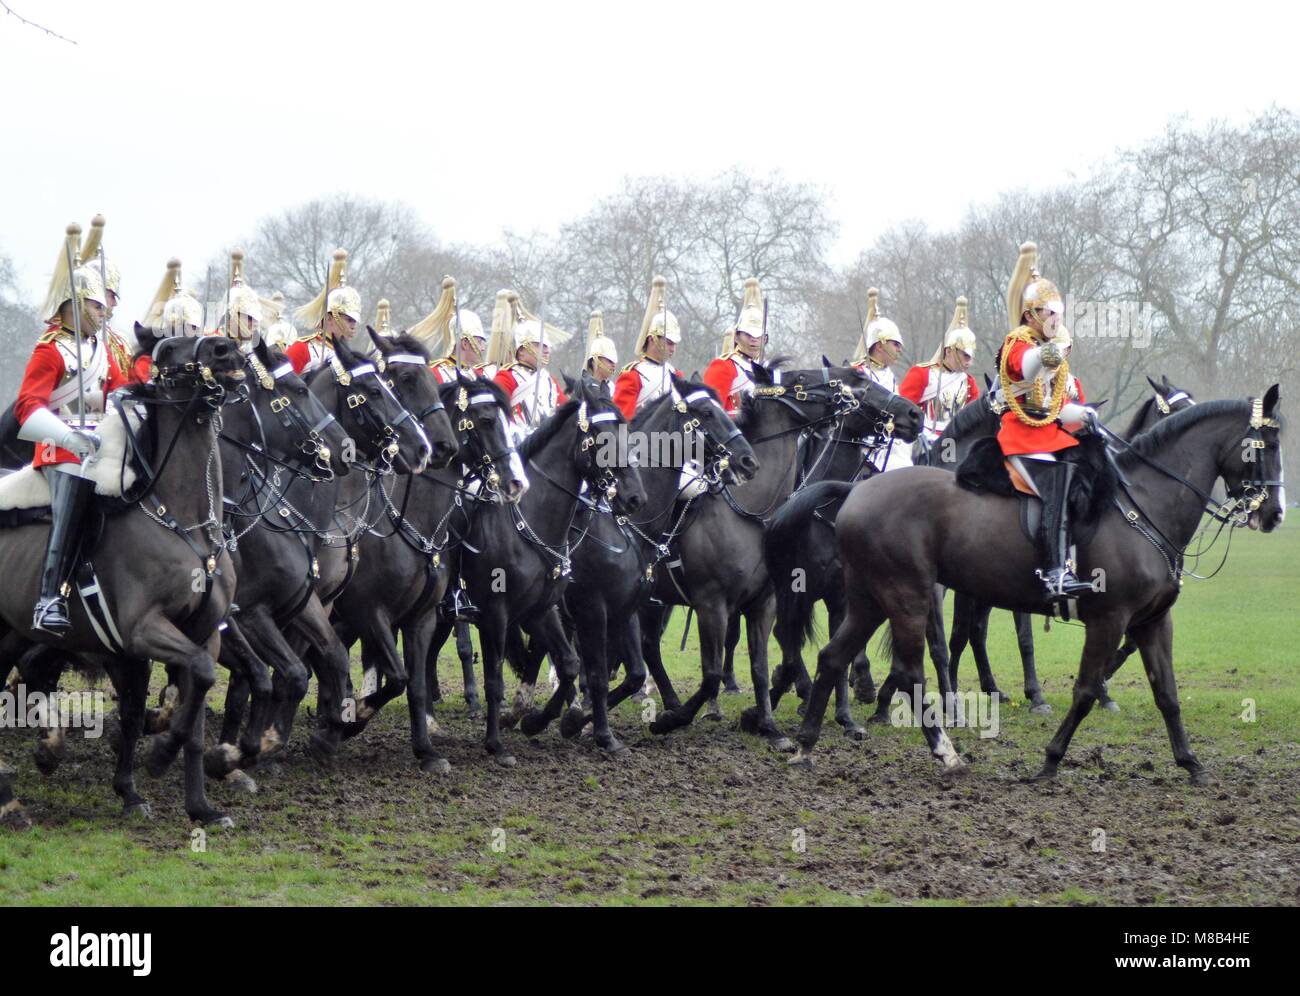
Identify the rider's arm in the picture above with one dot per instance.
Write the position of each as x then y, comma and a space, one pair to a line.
298, 353
627, 388
914, 384
718, 375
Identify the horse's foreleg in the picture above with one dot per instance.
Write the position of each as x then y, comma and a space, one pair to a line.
1156, 641
131, 680
652, 625
492, 638
549, 638
758, 718
1025, 640
938, 643
729, 659
465, 651
416, 636
1099, 644
712, 626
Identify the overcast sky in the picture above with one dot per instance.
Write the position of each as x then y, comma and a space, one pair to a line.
185, 123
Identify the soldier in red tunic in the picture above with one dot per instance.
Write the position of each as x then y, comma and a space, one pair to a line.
943, 385
333, 314
732, 373
454, 336
602, 354
242, 320
652, 374
50, 400
1035, 381
534, 392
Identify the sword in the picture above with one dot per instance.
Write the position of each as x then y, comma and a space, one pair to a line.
455, 321
762, 346
76, 331
663, 323
207, 293
541, 344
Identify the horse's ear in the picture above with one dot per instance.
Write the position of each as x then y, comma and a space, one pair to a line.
1271, 398
988, 383
1154, 386
826, 361
695, 376
381, 343
263, 353
1098, 404
1164, 379
569, 385
762, 375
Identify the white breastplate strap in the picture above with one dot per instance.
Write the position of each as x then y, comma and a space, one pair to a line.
94, 363
405, 358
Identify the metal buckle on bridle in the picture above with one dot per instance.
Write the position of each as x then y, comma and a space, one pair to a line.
356, 400
279, 403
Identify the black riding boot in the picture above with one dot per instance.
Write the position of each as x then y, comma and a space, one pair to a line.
69, 496
1052, 480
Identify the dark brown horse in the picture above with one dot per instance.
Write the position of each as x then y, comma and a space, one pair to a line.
901, 533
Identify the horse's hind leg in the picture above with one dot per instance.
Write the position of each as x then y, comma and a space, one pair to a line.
1156, 641
1025, 639
909, 639
979, 635
938, 643
729, 659
465, 651
227, 758
652, 626
627, 636
1099, 644
416, 635
862, 618
549, 636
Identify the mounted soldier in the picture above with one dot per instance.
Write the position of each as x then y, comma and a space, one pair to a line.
651, 374
878, 349
533, 390
732, 373
1035, 381
332, 315
454, 335
602, 354
943, 385
180, 320
71, 371
243, 318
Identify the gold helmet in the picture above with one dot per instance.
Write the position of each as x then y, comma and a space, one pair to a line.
876, 328
1028, 290
750, 319
959, 335
599, 344
169, 287
111, 277
272, 307
337, 298
433, 328
242, 299
528, 327
84, 282
658, 319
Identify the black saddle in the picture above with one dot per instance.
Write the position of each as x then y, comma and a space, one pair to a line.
1095, 484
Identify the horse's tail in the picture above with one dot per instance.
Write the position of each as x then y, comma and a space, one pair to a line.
784, 539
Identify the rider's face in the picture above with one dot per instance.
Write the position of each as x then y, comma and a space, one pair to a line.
602, 368
340, 326
958, 359
93, 312
887, 351
471, 351
750, 345
659, 348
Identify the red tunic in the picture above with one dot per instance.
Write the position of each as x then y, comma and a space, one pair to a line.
140, 368
506, 379
1015, 437
918, 379
45, 372
629, 386
299, 354
720, 375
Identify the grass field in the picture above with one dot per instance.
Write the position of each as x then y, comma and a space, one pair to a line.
711, 815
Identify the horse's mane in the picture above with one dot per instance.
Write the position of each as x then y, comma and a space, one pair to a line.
967, 419
1139, 418
545, 432
1168, 429
409, 344
684, 387
748, 404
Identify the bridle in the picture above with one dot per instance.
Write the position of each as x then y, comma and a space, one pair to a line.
383, 433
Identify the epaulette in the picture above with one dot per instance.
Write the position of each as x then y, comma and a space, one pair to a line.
317, 334
53, 333
631, 366
121, 355
730, 354
442, 361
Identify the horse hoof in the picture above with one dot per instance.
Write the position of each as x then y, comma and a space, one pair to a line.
219, 821
878, 718
864, 694
138, 811
800, 759
506, 760
13, 816
749, 720
221, 760
533, 723
1110, 705
1001, 695
435, 766
957, 768
855, 732
1200, 777
715, 715
241, 782
321, 749
665, 722
1041, 708
475, 714
159, 756
1045, 774
572, 723
47, 758
802, 708
731, 689
782, 744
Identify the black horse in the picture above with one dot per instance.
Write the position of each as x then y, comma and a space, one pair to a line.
904, 532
